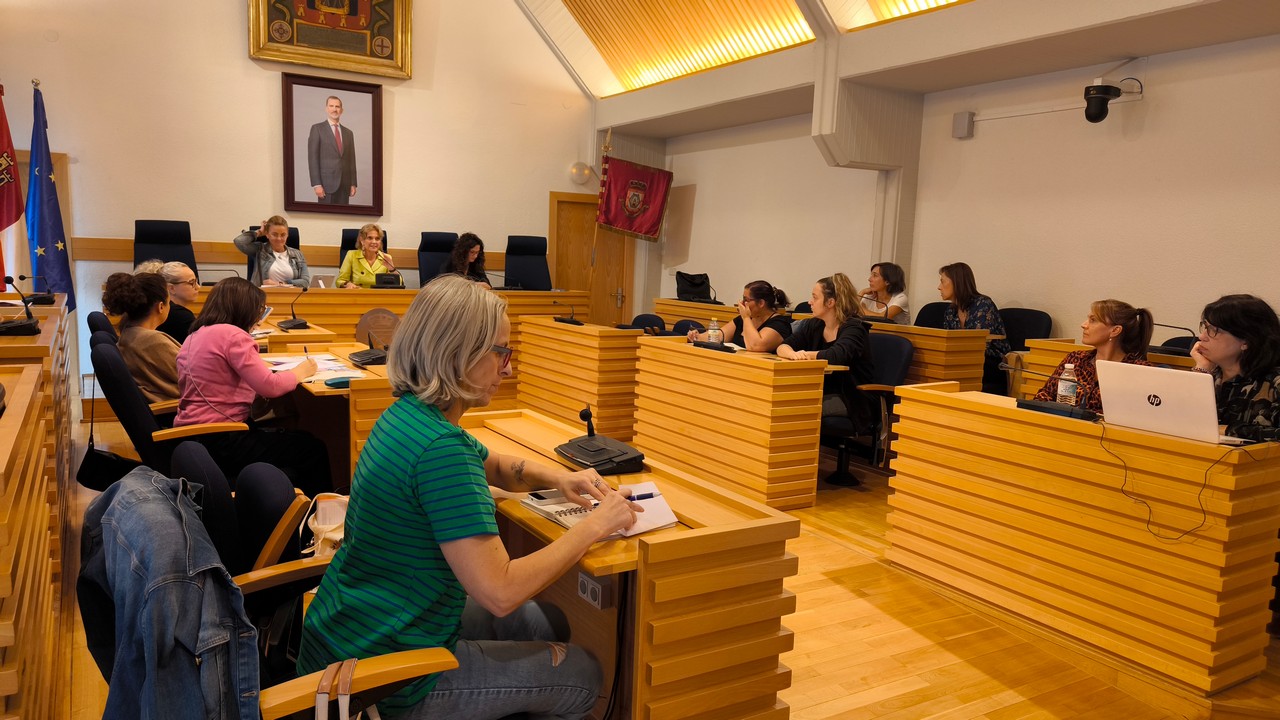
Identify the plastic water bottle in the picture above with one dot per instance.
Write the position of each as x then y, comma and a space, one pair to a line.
714, 333
1067, 385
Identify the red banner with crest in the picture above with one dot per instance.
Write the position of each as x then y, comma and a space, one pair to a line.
633, 198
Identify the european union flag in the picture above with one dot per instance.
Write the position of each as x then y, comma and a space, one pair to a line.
49, 257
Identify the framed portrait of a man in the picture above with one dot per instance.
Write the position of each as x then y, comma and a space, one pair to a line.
332, 145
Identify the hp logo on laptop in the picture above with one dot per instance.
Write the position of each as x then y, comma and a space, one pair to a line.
1154, 400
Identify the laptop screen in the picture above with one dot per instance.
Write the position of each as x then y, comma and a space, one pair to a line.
1162, 400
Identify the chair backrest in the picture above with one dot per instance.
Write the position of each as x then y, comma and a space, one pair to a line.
192, 461
682, 327
892, 357
931, 314
803, 307
167, 240
99, 322
1023, 324
648, 321
434, 249
294, 241
264, 496
128, 404
1181, 342
348, 242
378, 324
100, 336
527, 263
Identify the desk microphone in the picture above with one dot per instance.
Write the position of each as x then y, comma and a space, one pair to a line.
212, 283
37, 298
1079, 412
585, 416
1188, 331
294, 323
569, 321
21, 326
1174, 350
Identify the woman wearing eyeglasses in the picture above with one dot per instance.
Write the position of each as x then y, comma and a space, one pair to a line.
1117, 332
1240, 346
184, 288
142, 302
762, 324
428, 569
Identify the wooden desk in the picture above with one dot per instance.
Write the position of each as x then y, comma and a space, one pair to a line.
1044, 356
745, 422
954, 355
565, 367
279, 339
1025, 512
701, 605
672, 310
30, 632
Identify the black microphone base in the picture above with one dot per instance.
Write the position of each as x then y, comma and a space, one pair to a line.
1055, 408
567, 321
606, 455
40, 299
19, 327
706, 345
294, 324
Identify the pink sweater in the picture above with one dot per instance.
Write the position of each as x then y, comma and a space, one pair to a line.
220, 373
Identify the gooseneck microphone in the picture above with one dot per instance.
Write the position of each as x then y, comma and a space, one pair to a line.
585, 416
567, 320
1055, 408
22, 326
36, 298
293, 323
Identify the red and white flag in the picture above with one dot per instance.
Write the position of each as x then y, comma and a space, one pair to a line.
10, 186
633, 198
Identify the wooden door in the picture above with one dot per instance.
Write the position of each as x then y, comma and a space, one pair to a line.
573, 239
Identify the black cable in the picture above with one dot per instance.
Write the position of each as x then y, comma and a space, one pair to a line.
620, 638
1141, 89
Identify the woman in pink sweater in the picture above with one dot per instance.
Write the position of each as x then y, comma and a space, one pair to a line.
219, 375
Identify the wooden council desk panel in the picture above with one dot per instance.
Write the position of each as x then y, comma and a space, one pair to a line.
700, 605
746, 422
671, 310
1158, 550
566, 367
942, 355
1044, 356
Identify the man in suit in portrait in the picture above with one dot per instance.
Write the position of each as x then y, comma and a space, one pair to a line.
331, 157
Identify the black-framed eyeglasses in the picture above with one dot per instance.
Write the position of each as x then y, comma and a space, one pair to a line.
194, 283
504, 352
1209, 330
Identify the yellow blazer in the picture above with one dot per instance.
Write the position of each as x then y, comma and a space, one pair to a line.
356, 269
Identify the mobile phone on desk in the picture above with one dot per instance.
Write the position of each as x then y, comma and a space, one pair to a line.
266, 313
546, 497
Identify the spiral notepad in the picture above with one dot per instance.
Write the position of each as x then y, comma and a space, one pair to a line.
657, 513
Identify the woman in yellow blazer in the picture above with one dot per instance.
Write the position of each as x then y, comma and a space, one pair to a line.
361, 266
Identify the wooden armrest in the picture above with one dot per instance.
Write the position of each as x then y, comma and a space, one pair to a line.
285, 530
281, 574
872, 387
164, 407
187, 431
371, 673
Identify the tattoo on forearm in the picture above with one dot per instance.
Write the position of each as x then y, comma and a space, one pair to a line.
517, 469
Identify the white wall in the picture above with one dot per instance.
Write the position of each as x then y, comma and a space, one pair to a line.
1169, 203
759, 203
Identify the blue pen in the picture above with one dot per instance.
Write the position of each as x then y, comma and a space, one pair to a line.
643, 496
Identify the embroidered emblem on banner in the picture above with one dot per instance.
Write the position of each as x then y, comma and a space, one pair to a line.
633, 204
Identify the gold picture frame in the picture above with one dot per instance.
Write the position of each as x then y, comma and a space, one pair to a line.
364, 36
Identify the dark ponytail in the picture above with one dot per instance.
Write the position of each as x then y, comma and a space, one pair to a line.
133, 296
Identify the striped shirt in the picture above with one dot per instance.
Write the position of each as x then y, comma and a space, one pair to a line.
419, 482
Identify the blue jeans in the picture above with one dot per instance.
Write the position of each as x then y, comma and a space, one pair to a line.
514, 664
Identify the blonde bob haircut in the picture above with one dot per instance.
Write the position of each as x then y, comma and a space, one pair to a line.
449, 327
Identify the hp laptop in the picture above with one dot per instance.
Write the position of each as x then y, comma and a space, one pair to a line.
1162, 400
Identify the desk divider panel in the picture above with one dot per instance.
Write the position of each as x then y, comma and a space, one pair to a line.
671, 310
1044, 355
942, 355
1025, 512
747, 422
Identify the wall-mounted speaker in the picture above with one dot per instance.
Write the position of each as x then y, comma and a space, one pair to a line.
962, 125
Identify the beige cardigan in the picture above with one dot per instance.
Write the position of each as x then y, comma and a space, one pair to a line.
152, 357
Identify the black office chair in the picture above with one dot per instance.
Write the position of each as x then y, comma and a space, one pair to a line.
433, 250
167, 240
294, 241
527, 263
1023, 324
153, 443
931, 314
1179, 345
803, 307
650, 323
682, 327
892, 357
99, 322
348, 242
98, 337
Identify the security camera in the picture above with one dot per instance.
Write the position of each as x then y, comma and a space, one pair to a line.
1096, 98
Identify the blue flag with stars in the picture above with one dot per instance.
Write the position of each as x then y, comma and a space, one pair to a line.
49, 257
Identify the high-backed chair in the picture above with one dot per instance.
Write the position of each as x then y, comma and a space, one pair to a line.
99, 336
1177, 345
682, 327
650, 323
99, 322
167, 240
153, 443
803, 307
348, 242
1023, 324
892, 357
931, 315
434, 249
527, 263
294, 241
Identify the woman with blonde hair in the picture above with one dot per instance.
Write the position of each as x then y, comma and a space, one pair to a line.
277, 264
361, 267
422, 482
1116, 332
836, 333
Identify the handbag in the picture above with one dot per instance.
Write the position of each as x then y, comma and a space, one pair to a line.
100, 468
326, 519
694, 287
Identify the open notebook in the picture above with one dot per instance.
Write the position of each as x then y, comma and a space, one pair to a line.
657, 513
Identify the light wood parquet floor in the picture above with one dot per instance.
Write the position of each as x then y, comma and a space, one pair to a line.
870, 640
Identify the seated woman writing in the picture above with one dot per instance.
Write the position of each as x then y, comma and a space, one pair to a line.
220, 374
277, 264
836, 333
1240, 346
426, 567
1117, 332
361, 267
761, 325
467, 260
971, 310
886, 294
142, 302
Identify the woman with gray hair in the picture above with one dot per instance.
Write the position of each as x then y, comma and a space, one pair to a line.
423, 565
184, 288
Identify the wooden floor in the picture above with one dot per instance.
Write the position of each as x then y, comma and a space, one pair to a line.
871, 640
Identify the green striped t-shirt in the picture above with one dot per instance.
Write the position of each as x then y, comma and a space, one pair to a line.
419, 482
